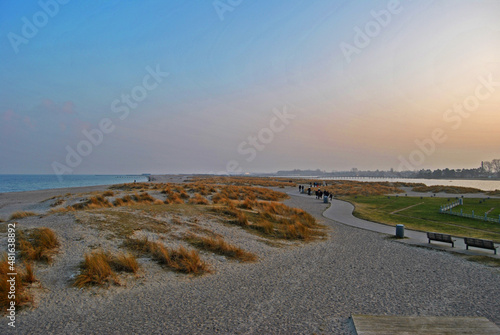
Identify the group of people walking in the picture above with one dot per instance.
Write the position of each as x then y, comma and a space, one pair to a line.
319, 193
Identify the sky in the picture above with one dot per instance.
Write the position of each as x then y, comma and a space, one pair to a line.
239, 86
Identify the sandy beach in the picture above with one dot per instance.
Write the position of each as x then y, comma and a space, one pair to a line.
293, 288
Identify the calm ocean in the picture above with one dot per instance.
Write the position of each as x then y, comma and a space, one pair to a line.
23, 182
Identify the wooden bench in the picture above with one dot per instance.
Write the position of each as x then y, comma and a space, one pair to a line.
441, 238
478, 243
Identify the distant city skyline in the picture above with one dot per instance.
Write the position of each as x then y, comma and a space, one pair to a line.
247, 86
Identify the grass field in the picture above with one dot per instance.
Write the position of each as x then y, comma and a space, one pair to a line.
480, 206
423, 214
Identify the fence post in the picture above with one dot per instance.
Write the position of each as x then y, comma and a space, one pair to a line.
473, 216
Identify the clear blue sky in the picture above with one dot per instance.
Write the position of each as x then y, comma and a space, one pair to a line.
371, 100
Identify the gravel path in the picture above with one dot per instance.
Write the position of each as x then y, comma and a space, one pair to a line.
309, 289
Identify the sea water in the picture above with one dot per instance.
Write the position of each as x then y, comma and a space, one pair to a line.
24, 182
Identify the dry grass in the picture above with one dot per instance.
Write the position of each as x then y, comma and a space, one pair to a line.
198, 199
246, 181
29, 274
233, 192
124, 201
94, 202
274, 219
183, 194
181, 260
344, 187
219, 246
174, 198
141, 245
61, 210
22, 296
264, 226
131, 186
247, 204
95, 270
237, 217
220, 199
143, 198
200, 187
37, 244
21, 215
99, 268
123, 262
108, 194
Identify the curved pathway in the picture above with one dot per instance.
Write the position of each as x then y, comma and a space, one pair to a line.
341, 211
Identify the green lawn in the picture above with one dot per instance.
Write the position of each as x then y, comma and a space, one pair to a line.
480, 206
425, 216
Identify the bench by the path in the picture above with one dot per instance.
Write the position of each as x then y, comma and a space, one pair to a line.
441, 238
478, 243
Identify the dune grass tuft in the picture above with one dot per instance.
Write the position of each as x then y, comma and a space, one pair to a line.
219, 246
198, 199
21, 215
123, 262
29, 274
37, 244
22, 296
181, 259
174, 198
95, 270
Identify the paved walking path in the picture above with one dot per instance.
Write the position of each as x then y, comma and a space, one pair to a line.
341, 211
